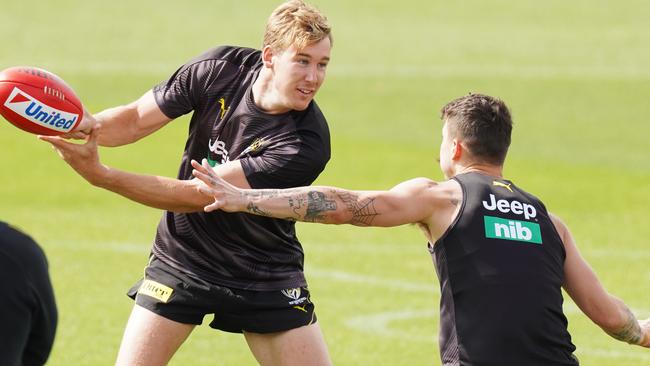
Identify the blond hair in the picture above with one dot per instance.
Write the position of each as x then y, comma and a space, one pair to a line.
295, 22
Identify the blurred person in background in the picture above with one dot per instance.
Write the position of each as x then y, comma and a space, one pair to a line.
28, 314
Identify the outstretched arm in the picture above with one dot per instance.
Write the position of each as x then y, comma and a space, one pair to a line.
604, 309
123, 124
154, 191
405, 203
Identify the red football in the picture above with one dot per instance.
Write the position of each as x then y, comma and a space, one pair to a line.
38, 101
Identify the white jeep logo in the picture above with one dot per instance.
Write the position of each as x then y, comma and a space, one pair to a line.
514, 206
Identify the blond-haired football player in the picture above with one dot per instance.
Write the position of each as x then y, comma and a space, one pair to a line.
255, 120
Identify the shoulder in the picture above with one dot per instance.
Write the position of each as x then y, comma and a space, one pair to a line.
430, 190
242, 56
561, 228
311, 119
312, 134
20, 248
430, 184
215, 61
417, 184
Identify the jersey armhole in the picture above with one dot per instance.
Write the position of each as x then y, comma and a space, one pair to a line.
458, 215
556, 233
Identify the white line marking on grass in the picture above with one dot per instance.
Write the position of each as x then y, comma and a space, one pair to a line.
118, 247
611, 353
391, 283
420, 247
385, 70
115, 68
330, 274
389, 248
630, 254
380, 324
571, 308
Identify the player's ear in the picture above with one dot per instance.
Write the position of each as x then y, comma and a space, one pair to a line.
267, 56
456, 150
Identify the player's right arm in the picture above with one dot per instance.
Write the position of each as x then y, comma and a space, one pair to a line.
124, 124
413, 201
604, 309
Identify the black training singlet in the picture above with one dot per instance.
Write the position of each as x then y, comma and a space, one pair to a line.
501, 268
276, 151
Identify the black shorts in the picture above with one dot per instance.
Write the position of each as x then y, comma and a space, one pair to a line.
179, 297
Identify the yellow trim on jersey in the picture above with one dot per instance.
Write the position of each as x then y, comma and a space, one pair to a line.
499, 184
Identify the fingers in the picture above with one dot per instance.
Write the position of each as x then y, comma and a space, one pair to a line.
206, 165
92, 137
645, 328
197, 167
61, 143
205, 173
212, 207
204, 178
54, 140
199, 171
76, 135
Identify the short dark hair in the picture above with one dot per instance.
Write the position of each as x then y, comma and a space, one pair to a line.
483, 123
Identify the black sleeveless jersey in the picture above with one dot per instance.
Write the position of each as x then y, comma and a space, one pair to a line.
501, 268
276, 151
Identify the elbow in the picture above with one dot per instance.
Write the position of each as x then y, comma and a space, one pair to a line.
338, 217
609, 323
612, 322
608, 315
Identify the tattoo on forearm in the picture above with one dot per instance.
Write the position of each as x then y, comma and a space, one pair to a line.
255, 210
317, 204
363, 213
296, 203
631, 332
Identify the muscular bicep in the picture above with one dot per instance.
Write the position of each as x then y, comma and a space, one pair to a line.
406, 203
149, 116
128, 123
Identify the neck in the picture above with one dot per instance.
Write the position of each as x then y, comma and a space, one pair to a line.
487, 169
264, 95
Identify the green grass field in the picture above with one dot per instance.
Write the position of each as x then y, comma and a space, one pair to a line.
575, 75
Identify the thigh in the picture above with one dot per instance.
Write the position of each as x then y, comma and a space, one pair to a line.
296, 347
264, 311
150, 339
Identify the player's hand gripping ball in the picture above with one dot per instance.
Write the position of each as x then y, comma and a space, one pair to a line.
38, 101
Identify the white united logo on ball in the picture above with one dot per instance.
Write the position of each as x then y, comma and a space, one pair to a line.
33, 110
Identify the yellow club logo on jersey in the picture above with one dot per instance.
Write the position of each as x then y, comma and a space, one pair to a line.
501, 184
222, 108
257, 143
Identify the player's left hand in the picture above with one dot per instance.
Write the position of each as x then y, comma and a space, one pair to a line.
82, 131
83, 158
225, 194
645, 329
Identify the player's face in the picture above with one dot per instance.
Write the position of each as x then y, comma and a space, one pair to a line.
299, 73
446, 152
